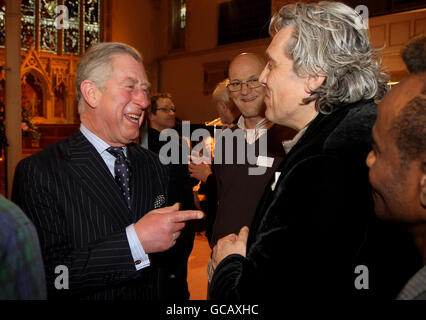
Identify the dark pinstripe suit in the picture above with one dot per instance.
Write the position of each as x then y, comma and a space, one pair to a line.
76, 206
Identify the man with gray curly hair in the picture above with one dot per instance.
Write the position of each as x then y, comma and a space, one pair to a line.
314, 233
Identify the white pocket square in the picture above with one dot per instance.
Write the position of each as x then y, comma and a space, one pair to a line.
159, 201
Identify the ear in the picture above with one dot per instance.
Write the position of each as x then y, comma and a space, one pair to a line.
90, 93
221, 105
423, 188
314, 82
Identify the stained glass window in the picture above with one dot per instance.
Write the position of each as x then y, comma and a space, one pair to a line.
2, 24
72, 34
48, 34
182, 14
39, 25
28, 23
91, 23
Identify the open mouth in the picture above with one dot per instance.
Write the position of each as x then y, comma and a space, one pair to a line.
133, 117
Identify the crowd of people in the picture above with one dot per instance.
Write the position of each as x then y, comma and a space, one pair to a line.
328, 199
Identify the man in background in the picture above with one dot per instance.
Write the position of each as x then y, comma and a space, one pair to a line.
161, 115
238, 190
225, 107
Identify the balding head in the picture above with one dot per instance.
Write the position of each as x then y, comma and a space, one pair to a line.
247, 58
245, 89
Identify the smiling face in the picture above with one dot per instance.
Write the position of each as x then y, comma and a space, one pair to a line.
249, 101
116, 111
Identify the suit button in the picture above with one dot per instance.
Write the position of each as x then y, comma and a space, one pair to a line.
137, 262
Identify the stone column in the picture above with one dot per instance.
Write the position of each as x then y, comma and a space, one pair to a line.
13, 89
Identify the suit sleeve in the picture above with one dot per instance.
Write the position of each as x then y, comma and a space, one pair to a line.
97, 264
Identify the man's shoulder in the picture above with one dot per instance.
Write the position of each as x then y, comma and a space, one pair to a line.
145, 155
354, 130
54, 153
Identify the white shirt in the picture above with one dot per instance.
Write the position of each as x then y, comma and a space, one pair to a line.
253, 134
289, 144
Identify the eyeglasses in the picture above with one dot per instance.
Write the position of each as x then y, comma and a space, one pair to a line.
238, 85
166, 109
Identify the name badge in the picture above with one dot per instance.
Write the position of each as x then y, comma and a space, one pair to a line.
277, 175
263, 161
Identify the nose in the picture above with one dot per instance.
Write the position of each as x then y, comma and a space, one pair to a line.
140, 97
244, 88
264, 76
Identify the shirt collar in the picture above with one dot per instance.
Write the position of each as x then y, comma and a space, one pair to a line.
262, 124
289, 144
99, 144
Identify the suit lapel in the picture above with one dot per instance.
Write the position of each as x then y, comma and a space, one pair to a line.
86, 165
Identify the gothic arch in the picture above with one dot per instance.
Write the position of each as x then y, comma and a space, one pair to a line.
35, 93
33, 74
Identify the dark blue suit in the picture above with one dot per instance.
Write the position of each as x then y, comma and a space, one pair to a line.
81, 217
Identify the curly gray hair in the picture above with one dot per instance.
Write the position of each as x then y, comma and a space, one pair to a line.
330, 40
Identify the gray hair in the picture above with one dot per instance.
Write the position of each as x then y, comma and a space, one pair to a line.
96, 65
329, 40
221, 93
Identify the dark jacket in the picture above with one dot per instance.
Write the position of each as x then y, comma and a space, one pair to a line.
80, 215
310, 233
176, 259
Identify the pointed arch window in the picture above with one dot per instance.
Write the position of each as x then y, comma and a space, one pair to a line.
80, 25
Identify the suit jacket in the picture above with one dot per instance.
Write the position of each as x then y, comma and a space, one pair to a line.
80, 215
310, 233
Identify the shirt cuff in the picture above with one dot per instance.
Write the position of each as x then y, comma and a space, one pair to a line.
140, 258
